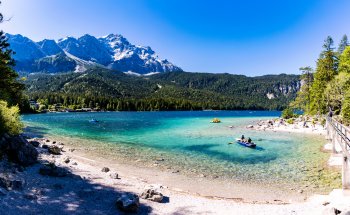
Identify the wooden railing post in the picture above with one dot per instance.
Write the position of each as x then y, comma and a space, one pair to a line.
346, 173
334, 135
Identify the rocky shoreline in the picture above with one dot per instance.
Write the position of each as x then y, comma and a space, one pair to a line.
301, 125
46, 160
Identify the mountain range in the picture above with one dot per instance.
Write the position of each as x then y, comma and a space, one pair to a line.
71, 54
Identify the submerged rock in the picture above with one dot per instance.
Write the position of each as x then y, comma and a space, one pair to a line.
128, 203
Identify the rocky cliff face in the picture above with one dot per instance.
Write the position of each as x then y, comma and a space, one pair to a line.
285, 89
78, 54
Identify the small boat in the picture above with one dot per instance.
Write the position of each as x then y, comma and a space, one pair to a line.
93, 121
246, 144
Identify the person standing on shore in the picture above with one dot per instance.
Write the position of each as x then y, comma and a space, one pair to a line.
330, 113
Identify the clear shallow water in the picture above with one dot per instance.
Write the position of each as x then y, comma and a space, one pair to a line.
190, 143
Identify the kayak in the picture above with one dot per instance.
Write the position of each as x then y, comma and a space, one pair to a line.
93, 121
246, 144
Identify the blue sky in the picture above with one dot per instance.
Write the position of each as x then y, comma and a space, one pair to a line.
248, 37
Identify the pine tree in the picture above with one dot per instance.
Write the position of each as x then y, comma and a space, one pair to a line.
343, 44
328, 44
10, 88
326, 70
303, 98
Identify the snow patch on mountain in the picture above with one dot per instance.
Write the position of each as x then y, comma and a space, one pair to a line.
132, 73
151, 73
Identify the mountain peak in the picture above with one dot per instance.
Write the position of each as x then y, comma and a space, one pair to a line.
66, 38
115, 40
50, 47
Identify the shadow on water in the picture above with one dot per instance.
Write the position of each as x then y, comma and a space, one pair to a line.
249, 155
259, 148
54, 195
236, 158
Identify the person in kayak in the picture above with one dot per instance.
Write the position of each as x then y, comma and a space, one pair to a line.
249, 140
243, 138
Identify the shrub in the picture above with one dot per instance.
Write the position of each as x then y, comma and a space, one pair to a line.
288, 113
9, 119
290, 121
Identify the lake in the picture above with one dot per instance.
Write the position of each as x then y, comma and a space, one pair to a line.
187, 141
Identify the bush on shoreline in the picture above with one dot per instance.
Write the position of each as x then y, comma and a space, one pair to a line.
9, 119
288, 113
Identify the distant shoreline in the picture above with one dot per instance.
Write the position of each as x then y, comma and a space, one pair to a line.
103, 111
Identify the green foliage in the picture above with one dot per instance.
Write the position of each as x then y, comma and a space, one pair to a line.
344, 61
345, 112
9, 119
290, 121
335, 91
166, 91
288, 113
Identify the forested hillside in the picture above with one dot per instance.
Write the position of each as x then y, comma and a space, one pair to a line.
111, 90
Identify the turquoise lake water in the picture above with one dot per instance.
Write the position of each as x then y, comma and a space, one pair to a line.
190, 143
